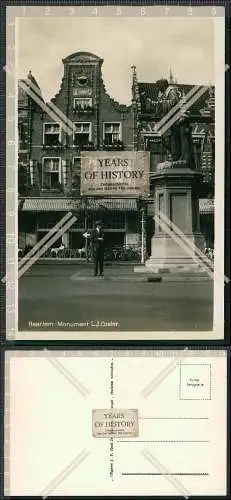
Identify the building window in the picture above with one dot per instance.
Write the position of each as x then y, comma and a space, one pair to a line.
82, 103
22, 113
213, 152
75, 177
82, 80
46, 221
52, 134
197, 146
111, 221
82, 134
23, 179
112, 132
51, 173
22, 135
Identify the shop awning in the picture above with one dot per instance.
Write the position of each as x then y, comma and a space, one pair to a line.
112, 204
206, 205
65, 204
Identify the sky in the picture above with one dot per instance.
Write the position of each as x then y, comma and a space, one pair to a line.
153, 45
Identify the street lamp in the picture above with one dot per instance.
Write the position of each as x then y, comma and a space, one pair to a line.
86, 234
141, 205
142, 237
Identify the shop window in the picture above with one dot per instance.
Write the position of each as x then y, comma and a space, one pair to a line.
82, 134
84, 103
112, 132
111, 220
48, 220
80, 223
52, 134
51, 173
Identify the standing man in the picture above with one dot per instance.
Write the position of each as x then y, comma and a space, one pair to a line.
98, 248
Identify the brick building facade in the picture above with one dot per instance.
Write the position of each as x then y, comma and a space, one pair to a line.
148, 99
50, 159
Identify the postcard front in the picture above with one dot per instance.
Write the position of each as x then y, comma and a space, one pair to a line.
114, 227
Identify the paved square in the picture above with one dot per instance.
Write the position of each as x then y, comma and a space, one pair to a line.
51, 300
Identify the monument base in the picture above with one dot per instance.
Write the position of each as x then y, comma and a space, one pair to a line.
171, 255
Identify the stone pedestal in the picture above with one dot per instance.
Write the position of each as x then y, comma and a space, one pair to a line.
176, 197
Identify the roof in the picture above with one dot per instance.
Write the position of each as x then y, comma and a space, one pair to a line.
32, 79
82, 55
31, 83
22, 95
198, 129
150, 91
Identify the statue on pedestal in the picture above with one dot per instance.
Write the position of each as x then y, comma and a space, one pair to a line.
179, 142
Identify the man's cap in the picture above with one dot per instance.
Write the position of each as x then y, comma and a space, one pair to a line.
99, 223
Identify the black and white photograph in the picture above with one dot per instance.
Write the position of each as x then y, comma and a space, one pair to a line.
119, 136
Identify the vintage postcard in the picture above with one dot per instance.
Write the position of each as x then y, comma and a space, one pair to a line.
115, 210
84, 423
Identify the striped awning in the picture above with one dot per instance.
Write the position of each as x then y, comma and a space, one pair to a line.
206, 205
65, 204
112, 204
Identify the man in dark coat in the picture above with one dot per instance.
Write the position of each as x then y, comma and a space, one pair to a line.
97, 238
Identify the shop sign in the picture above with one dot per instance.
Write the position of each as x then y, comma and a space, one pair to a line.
114, 173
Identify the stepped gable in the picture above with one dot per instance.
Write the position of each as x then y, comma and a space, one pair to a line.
85, 58
78, 58
121, 108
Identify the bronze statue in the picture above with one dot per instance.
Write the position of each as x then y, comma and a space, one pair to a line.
179, 144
